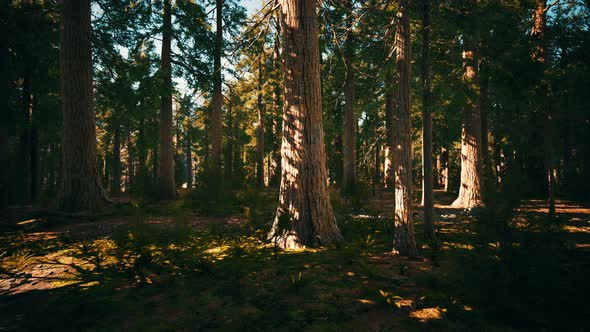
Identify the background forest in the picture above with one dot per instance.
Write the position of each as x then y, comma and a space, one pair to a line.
146, 145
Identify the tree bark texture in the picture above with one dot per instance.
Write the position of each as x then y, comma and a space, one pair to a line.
260, 129
80, 185
470, 188
427, 178
304, 217
404, 242
540, 56
349, 176
166, 164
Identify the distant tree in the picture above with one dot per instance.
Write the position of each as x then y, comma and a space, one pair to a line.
304, 217
349, 174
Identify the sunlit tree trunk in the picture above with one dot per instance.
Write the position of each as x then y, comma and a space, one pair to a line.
215, 121
349, 135
260, 129
470, 188
304, 217
116, 180
427, 179
404, 242
80, 185
540, 55
166, 164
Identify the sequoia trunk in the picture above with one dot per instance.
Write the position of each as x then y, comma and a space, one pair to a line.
404, 242
80, 185
304, 217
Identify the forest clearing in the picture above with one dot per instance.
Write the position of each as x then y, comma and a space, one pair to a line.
290, 165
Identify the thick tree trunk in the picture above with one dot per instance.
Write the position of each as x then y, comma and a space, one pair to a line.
404, 242
80, 185
260, 129
166, 164
304, 217
540, 55
349, 177
427, 179
215, 121
116, 180
276, 154
470, 189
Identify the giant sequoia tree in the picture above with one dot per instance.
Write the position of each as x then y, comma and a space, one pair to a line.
80, 187
304, 217
404, 242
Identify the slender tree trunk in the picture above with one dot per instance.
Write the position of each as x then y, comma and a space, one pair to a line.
215, 121
130, 163
228, 165
349, 177
260, 129
540, 55
26, 146
470, 189
390, 106
427, 179
444, 152
116, 180
276, 154
404, 242
304, 217
166, 164
80, 185
189, 158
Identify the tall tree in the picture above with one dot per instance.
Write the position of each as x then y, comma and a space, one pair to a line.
304, 217
349, 176
166, 164
215, 120
80, 186
260, 128
404, 242
427, 178
116, 180
540, 56
471, 168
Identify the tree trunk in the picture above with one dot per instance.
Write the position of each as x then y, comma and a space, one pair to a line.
130, 163
304, 217
404, 242
189, 158
260, 129
444, 153
80, 185
215, 121
116, 180
470, 189
390, 106
349, 177
166, 164
26, 146
427, 179
540, 55
228, 164
276, 154
483, 106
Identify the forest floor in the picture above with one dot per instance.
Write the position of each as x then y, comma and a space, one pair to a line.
165, 267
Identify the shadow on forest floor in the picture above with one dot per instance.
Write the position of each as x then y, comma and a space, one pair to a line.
164, 267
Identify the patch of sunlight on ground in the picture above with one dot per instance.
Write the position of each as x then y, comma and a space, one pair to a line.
457, 245
576, 229
428, 314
